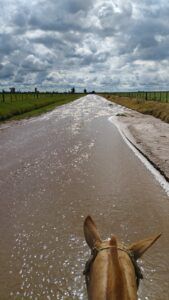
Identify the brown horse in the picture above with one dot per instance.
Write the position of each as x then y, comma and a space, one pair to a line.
112, 272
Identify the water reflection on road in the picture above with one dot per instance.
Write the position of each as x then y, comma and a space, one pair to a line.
55, 170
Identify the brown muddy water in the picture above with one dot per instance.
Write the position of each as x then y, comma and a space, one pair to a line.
55, 170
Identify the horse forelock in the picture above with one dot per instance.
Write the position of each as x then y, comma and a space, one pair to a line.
111, 276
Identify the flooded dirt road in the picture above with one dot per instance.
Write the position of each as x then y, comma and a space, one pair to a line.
55, 170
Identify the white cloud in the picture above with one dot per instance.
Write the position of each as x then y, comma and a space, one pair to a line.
103, 45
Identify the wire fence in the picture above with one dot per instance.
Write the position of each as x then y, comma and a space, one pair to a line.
160, 96
8, 97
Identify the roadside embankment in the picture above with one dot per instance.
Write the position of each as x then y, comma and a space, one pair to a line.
157, 109
150, 136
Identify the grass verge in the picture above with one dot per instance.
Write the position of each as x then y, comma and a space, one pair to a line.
157, 109
32, 107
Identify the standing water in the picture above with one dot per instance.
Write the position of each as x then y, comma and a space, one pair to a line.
55, 170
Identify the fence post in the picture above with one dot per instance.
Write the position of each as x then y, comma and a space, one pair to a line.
3, 96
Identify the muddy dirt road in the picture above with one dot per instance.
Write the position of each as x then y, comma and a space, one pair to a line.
55, 170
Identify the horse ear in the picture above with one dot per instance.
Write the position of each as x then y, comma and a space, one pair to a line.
142, 246
91, 233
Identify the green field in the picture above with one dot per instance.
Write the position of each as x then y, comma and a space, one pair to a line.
23, 105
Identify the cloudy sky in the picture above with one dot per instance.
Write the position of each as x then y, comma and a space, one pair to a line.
106, 45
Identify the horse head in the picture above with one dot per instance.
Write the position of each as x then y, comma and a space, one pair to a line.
112, 272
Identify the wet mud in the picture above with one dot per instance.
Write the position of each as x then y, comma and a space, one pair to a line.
55, 170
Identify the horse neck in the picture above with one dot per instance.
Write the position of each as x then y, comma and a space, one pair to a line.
112, 277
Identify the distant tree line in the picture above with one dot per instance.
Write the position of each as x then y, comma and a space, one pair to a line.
12, 94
